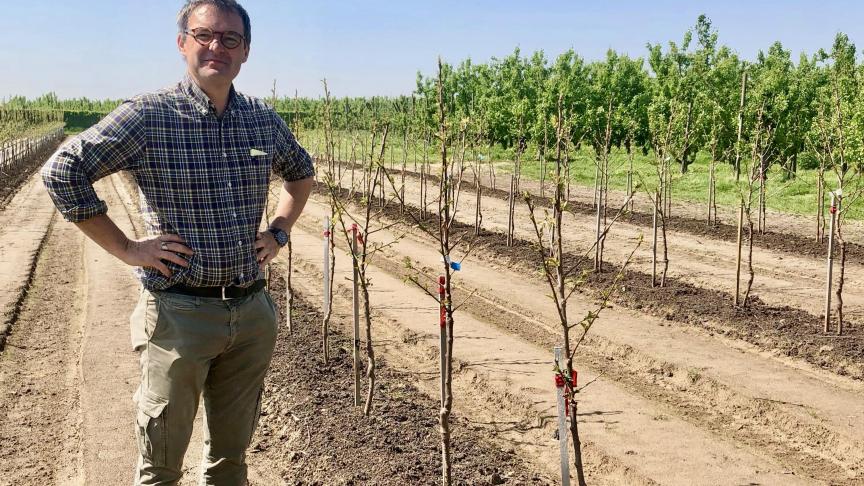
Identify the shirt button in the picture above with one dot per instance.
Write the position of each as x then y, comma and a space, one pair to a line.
234, 214
229, 184
240, 243
241, 275
225, 154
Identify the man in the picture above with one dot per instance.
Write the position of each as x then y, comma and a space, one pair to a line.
201, 154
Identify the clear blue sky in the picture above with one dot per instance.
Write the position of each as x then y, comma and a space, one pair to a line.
117, 48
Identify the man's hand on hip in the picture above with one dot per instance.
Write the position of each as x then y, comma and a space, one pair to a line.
266, 248
150, 253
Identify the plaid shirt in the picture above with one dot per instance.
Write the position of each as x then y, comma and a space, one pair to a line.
200, 176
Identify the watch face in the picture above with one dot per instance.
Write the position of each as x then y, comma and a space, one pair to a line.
282, 238
280, 235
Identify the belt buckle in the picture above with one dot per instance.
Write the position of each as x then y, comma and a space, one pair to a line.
223, 294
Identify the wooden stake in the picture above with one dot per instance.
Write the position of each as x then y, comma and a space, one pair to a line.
289, 291
738, 257
328, 291
326, 286
355, 286
830, 277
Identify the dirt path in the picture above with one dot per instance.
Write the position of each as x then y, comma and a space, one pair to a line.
40, 419
68, 373
798, 406
23, 226
621, 424
109, 367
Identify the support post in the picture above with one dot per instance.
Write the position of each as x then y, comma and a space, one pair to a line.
562, 419
828, 280
326, 286
738, 258
356, 316
289, 291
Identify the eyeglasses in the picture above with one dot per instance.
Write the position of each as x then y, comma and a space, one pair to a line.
204, 36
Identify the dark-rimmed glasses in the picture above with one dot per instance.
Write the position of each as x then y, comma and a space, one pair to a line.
204, 36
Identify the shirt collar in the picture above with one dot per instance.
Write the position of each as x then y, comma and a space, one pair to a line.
202, 102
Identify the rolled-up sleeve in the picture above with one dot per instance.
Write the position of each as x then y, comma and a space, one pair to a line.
291, 161
116, 143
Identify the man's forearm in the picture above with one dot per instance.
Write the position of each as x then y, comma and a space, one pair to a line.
292, 200
106, 234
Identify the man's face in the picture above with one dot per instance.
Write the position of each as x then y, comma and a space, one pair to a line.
213, 65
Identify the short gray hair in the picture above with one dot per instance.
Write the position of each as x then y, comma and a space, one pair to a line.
221, 5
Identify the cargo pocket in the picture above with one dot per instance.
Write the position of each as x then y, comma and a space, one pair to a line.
150, 431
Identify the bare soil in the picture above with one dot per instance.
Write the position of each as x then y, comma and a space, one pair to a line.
67, 376
310, 429
40, 419
782, 329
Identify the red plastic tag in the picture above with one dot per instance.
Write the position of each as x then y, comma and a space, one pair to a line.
559, 381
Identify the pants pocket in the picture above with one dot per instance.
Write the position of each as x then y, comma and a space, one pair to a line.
142, 322
150, 430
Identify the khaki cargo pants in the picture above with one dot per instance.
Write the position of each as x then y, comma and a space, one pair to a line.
194, 346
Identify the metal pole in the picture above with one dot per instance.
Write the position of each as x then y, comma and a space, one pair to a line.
443, 333
356, 317
830, 263
562, 420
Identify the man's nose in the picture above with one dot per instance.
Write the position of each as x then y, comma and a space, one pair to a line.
215, 45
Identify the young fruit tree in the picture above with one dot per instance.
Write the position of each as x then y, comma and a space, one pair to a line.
449, 183
564, 274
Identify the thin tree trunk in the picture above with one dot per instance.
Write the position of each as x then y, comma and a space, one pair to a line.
750, 272
370, 350
840, 280
820, 204
654, 239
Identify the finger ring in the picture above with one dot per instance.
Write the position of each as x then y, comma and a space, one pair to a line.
163, 245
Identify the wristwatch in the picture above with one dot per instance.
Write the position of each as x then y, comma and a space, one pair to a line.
280, 235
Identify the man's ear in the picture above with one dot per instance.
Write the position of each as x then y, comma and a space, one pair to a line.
245, 52
181, 43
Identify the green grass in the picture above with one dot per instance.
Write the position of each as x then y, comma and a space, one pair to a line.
792, 196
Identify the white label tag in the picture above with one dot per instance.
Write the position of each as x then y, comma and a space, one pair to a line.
256, 152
